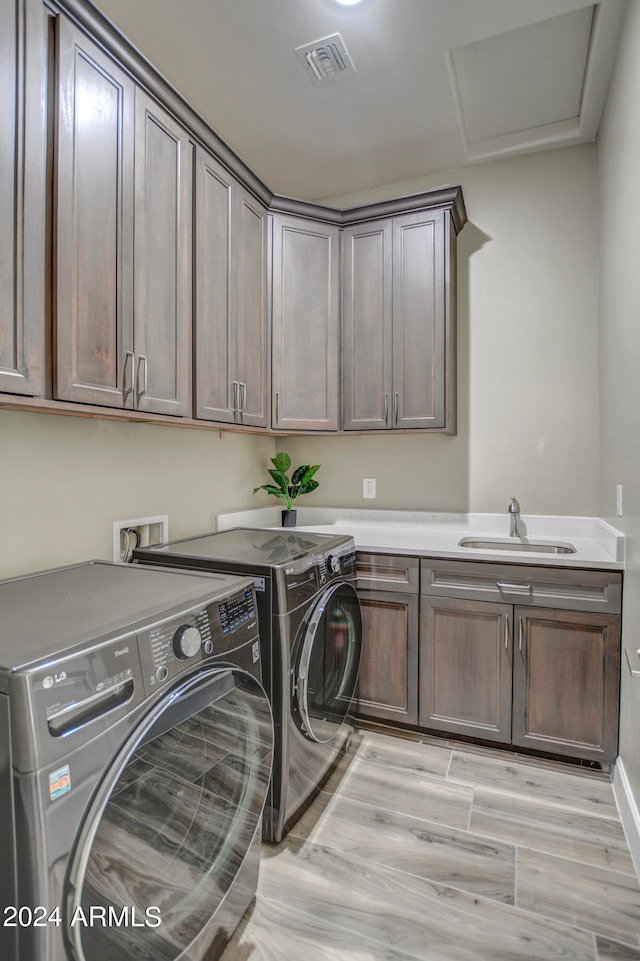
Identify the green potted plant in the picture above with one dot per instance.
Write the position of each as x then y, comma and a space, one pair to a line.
288, 490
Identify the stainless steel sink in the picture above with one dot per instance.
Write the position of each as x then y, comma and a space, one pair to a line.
517, 544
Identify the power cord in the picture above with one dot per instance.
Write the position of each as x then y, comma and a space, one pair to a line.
128, 535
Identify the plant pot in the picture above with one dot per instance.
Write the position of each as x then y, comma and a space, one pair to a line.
289, 518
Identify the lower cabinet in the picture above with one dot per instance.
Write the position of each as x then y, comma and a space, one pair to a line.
465, 667
388, 590
566, 677
505, 653
528, 668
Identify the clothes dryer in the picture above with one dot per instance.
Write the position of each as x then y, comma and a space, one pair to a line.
135, 743
311, 631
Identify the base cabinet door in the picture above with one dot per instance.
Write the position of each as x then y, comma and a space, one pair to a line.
465, 667
566, 682
387, 688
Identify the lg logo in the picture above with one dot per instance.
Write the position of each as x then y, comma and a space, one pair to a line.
50, 680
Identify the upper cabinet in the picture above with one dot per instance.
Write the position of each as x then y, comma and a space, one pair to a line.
232, 348
163, 261
306, 324
23, 148
123, 238
399, 323
94, 361
145, 270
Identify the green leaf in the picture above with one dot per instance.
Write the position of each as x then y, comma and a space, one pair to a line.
309, 486
270, 489
306, 473
281, 479
281, 462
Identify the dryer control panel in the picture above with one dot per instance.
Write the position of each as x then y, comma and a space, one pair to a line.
168, 647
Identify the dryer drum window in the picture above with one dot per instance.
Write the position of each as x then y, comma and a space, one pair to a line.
172, 823
328, 663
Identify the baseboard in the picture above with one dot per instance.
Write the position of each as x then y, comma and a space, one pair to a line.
628, 809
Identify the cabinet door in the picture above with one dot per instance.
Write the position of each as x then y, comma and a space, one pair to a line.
94, 225
387, 684
565, 683
251, 323
367, 330
465, 667
23, 99
214, 359
421, 330
306, 276
163, 261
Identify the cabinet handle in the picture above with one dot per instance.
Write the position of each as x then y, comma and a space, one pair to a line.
506, 632
127, 390
396, 407
386, 409
277, 407
142, 362
520, 633
234, 408
514, 588
243, 398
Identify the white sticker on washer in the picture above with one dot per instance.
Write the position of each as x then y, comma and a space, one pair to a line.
59, 782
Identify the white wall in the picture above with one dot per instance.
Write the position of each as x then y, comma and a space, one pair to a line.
527, 358
619, 271
65, 480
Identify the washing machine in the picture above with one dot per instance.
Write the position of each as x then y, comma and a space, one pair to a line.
135, 751
311, 631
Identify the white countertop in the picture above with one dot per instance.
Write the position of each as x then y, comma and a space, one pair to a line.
597, 544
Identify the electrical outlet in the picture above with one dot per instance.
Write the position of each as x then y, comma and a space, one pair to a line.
138, 532
619, 500
368, 487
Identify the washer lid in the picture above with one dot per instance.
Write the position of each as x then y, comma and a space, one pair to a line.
255, 547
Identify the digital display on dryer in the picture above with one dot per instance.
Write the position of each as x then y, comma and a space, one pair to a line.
236, 611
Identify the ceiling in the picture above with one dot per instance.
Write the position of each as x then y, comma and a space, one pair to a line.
438, 84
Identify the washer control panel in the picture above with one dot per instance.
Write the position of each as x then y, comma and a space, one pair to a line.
167, 648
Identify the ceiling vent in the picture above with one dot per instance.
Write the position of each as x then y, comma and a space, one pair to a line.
326, 59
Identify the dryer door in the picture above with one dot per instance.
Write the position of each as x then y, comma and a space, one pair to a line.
327, 663
167, 832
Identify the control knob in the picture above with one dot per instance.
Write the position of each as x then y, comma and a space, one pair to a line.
333, 563
187, 641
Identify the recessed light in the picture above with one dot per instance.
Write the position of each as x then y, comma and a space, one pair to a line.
347, 3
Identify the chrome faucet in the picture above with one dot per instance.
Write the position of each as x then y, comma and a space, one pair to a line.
514, 517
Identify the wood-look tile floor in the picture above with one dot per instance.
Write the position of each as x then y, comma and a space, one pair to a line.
426, 850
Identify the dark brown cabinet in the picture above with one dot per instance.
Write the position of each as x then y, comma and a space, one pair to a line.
399, 323
566, 676
306, 319
123, 238
388, 591
94, 362
163, 261
232, 347
522, 655
23, 148
146, 272
465, 667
